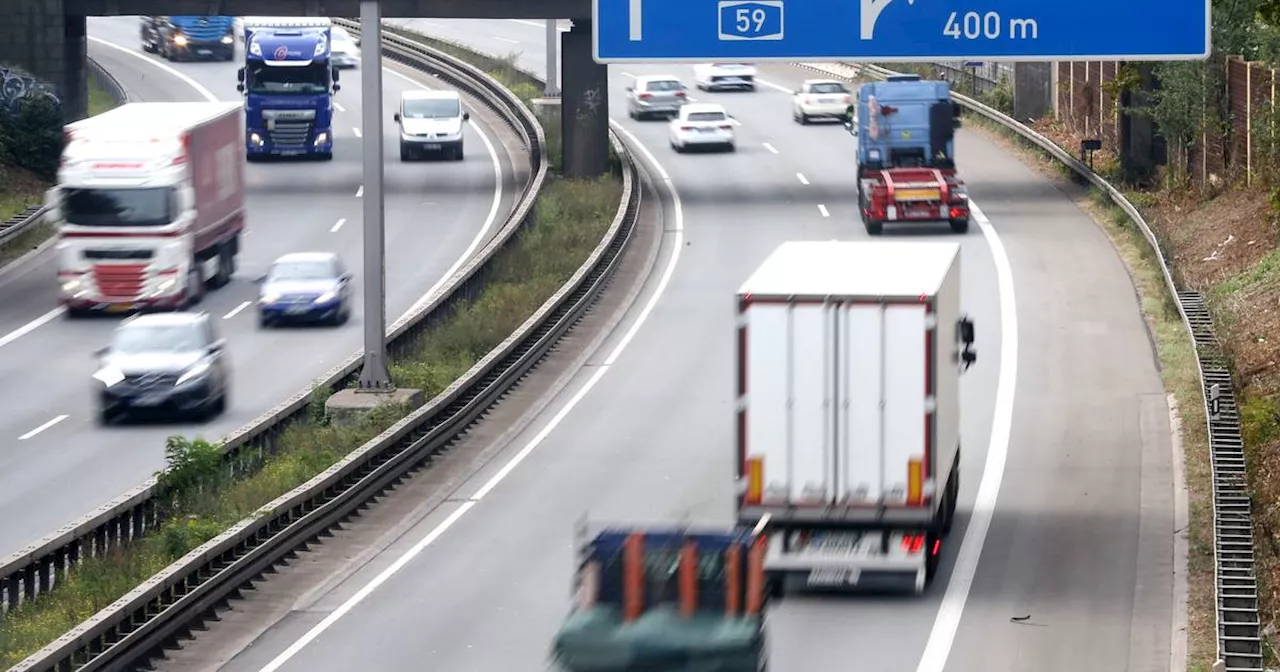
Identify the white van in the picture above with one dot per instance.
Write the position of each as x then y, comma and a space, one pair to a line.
431, 121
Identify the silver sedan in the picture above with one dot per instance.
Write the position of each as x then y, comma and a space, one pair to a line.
656, 95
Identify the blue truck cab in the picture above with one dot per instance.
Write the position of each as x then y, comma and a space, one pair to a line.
190, 38
288, 81
906, 153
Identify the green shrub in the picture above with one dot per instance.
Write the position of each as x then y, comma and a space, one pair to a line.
31, 135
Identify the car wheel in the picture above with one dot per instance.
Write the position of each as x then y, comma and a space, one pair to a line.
731, 147
804, 119
631, 112
103, 418
959, 226
226, 267
874, 228
325, 156
404, 153
264, 322
457, 153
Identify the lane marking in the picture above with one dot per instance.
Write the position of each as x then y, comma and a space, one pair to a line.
236, 311
823, 210
538, 24
337, 106
337, 226
627, 74
489, 220
943, 634
30, 326
776, 87
357, 131
803, 180
41, 428
200, 89
507, 40
434, 534
771, 148
360, 191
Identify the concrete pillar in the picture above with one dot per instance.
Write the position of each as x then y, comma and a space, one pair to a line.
37, 36
584, 93
1032, 90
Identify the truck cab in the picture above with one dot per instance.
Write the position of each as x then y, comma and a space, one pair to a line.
288, 81
190, 38
906, 153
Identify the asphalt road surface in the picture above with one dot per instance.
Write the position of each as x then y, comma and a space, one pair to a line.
437, 213
1066, 507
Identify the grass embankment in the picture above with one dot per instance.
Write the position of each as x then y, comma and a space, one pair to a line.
20, 189
570, 219
1178, 367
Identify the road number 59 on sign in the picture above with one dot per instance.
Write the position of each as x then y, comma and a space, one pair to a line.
750, 20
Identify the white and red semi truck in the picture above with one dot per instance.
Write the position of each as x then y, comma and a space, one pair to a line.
149, 206
848, 415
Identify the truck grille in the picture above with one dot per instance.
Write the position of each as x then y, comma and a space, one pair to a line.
291, 134
198, 33
120, 281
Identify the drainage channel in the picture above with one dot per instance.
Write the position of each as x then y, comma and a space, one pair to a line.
1239, 630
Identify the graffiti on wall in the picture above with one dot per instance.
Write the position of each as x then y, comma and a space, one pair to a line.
17, 86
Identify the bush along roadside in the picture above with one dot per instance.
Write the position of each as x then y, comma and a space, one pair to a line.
1178, 368
569, 220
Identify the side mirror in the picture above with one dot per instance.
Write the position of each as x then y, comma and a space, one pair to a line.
965, 330
336, 88
631, 88
396, 117
101, 352
240, 75
240, 88
260, 279
217, 346
334, 72
345, 277
466, 116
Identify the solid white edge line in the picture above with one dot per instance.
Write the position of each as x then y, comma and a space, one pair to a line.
357, 131
489, 220
338, 107
677, 245
506, 39
823, 210
236, 311
338, 225
950, 611
43, 427
44, 319
360, 191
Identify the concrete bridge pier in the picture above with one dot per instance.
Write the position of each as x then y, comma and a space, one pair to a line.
584, 100
39, 37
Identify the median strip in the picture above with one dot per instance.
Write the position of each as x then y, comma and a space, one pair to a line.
568, 222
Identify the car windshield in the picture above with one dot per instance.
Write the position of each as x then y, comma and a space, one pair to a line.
827, 87
262, 78
431, 108
663, 85
302, 270
339, 35
118, 207
706, 116
140, 339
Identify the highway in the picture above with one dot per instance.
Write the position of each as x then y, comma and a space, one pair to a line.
55, 464
1066, 507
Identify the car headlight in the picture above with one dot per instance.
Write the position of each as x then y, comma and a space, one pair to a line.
269, 297
109, 375
327, 296
194, 372
180, 40
227, 39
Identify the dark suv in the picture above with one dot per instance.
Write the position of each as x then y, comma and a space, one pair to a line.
173, 363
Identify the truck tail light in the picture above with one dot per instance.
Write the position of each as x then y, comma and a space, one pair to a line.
913, 543
755, 480
915, 481
958, 213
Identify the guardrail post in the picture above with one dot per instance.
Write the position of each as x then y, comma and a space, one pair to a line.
374, 375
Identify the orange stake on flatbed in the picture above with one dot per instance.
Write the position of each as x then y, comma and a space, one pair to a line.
688, 578
733, 580
755, 578
633, 577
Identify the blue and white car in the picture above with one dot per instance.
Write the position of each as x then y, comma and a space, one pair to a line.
310, 287
343, 52
725, 76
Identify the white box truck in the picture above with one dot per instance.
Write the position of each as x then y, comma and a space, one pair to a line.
149, 206
848, 413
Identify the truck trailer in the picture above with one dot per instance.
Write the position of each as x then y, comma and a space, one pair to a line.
666, 598
149, 206
288, 81
849, 356
906, 154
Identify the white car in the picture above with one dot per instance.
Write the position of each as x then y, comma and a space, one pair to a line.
820, 99
430, 122
717, 76
343, 50
702, 125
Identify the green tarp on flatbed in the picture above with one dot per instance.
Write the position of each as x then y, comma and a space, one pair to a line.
661, 640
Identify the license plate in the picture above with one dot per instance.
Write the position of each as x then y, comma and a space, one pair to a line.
432, 145
297, 310
149, 400
836, 543
834, 577
706, 130
826, 100
203, 52
918, 194
120, 307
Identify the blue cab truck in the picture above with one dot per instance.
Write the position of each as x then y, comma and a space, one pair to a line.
288, 81
190, 38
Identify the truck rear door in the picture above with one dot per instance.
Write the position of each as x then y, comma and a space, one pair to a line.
882, 422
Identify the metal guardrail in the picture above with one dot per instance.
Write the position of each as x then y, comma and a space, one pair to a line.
137, 626
14, 226
37, 567
1236, 586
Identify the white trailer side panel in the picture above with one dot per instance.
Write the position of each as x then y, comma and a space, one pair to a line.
768, 374
947, 375
882, 381
811, 422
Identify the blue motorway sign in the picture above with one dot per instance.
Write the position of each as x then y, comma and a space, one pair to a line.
900, 30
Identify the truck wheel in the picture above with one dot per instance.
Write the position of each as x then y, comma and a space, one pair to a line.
325, 156
959, 226
195, 285
874, 228
226, 267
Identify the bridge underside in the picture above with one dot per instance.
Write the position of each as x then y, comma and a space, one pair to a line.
441, 9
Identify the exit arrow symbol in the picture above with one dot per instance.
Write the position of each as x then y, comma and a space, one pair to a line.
635, 20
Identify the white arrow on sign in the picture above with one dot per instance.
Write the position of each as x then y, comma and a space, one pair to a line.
635, 20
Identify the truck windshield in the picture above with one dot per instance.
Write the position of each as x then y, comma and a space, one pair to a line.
443, 108
118, 207
261, 78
